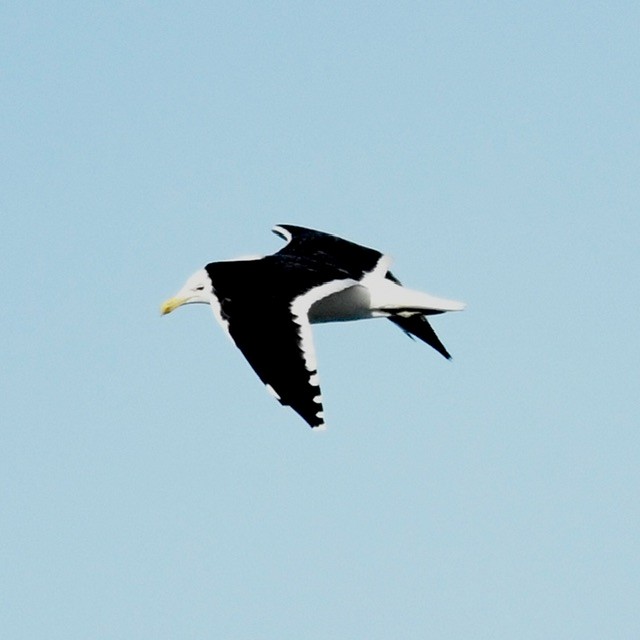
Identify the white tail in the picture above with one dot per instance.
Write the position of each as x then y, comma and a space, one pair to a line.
388, 296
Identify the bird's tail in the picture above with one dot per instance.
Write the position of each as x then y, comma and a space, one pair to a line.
390, 298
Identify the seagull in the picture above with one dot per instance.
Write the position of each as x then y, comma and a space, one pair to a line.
267, 305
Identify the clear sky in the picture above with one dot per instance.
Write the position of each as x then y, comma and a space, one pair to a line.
152, 489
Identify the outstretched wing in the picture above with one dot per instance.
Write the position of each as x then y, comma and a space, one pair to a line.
264, 305
353, 259
274, 348
417, 325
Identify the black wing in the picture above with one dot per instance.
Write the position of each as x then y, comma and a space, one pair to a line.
257, 303
417, 325
353, 259
273, 347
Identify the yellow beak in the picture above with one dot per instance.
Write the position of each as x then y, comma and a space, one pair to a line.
172, 303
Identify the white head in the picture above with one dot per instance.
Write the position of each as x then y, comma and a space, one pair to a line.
197, 289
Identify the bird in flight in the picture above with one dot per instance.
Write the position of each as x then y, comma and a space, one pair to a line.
267, 305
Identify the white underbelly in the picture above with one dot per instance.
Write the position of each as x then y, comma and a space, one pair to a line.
353, 303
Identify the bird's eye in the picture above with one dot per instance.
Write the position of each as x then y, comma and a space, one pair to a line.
200, 288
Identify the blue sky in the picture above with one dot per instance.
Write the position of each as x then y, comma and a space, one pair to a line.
150, 487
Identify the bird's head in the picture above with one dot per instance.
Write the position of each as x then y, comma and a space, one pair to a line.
198, 288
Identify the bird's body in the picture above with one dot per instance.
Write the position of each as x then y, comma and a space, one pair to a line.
267, 306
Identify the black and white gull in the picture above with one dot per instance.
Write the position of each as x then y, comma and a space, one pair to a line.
267, 306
